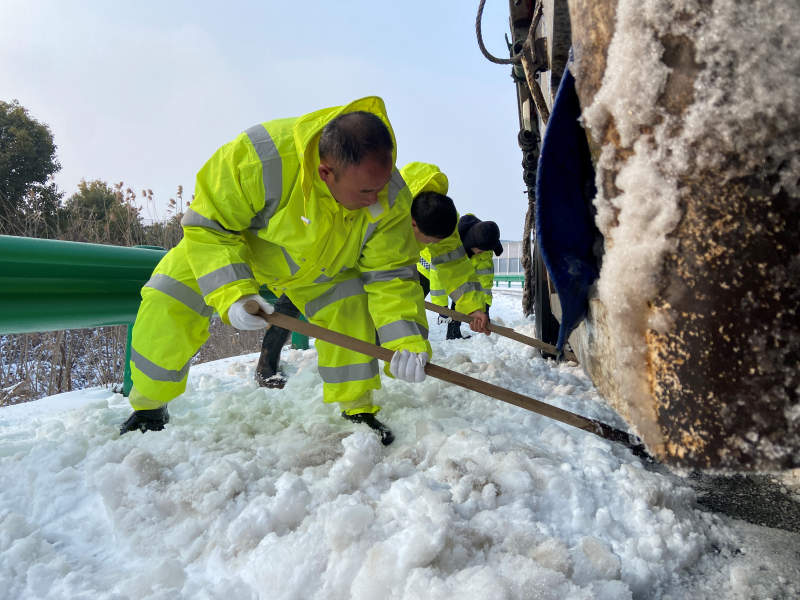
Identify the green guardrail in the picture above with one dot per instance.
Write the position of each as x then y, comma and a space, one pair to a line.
509, 278
51, 285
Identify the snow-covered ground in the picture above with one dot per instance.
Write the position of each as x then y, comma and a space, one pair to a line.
254, 493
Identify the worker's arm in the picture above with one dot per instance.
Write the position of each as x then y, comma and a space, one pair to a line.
229, 194
455, 276
484, 267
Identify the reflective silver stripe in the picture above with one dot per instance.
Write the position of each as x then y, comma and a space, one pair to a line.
370, 228
400, 329
194, 219
223, 276
180, 292
375, 209
487, 291
409, 272
438, 293
396, 184
349, 373
325, 279
156, 373
261, 220
489, 271
270, 163
450, 256
340, 291
470, 286
293, 267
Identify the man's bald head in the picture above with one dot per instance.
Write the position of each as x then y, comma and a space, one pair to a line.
352, 137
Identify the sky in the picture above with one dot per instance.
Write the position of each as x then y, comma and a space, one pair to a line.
144, 92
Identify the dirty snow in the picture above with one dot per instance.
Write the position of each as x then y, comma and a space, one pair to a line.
255, 493
742, 120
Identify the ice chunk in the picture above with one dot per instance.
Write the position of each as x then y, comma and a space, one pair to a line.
345, 519
740, 582
554, 555
362, 451
607, 564
291, 500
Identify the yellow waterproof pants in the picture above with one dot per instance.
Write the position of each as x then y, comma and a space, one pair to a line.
173, 321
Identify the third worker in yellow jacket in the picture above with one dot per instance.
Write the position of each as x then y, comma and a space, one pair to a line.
481, 241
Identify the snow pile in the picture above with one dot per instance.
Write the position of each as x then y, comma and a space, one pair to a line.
742, 118
254, 493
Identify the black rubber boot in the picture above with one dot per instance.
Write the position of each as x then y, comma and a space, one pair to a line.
267, 373
146, 420
387, 437
454, 331
273, 382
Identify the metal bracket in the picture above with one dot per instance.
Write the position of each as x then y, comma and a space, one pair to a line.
539, 54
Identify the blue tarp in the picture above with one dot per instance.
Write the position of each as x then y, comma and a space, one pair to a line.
565, 226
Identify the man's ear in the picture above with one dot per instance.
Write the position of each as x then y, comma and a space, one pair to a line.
325, 172
414, 224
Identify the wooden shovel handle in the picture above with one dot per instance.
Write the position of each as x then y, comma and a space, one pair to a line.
476, 385
500, 330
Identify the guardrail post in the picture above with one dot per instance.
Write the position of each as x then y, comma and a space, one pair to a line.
300, 341
127, 382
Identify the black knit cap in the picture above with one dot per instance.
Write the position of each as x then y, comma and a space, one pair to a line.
485, 236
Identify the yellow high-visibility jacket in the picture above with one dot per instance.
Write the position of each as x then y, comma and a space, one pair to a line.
451, 273
484, 267
262, 215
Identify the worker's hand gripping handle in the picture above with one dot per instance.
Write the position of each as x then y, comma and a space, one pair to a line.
253, 308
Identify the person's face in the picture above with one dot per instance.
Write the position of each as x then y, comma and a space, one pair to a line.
357, 186
421, 237
476, 250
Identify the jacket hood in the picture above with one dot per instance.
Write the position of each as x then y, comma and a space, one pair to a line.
423, 177
308, 128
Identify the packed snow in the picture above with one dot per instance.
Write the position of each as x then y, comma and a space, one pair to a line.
253, 493
742, 120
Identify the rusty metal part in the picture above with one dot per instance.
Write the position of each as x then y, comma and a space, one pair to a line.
534, 60
514, 60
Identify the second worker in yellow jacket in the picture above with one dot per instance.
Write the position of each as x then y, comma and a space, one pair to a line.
445, 268
433, 219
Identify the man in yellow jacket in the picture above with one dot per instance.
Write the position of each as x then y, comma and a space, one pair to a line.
314, 208
434, 221
445, 268
481, 242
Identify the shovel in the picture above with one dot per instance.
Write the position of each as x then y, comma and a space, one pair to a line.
563, 416
499, 330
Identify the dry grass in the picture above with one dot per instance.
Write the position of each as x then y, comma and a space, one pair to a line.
36, 365
225, 341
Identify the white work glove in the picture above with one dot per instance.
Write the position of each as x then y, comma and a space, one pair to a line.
409, 366
444, 320
241, 319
